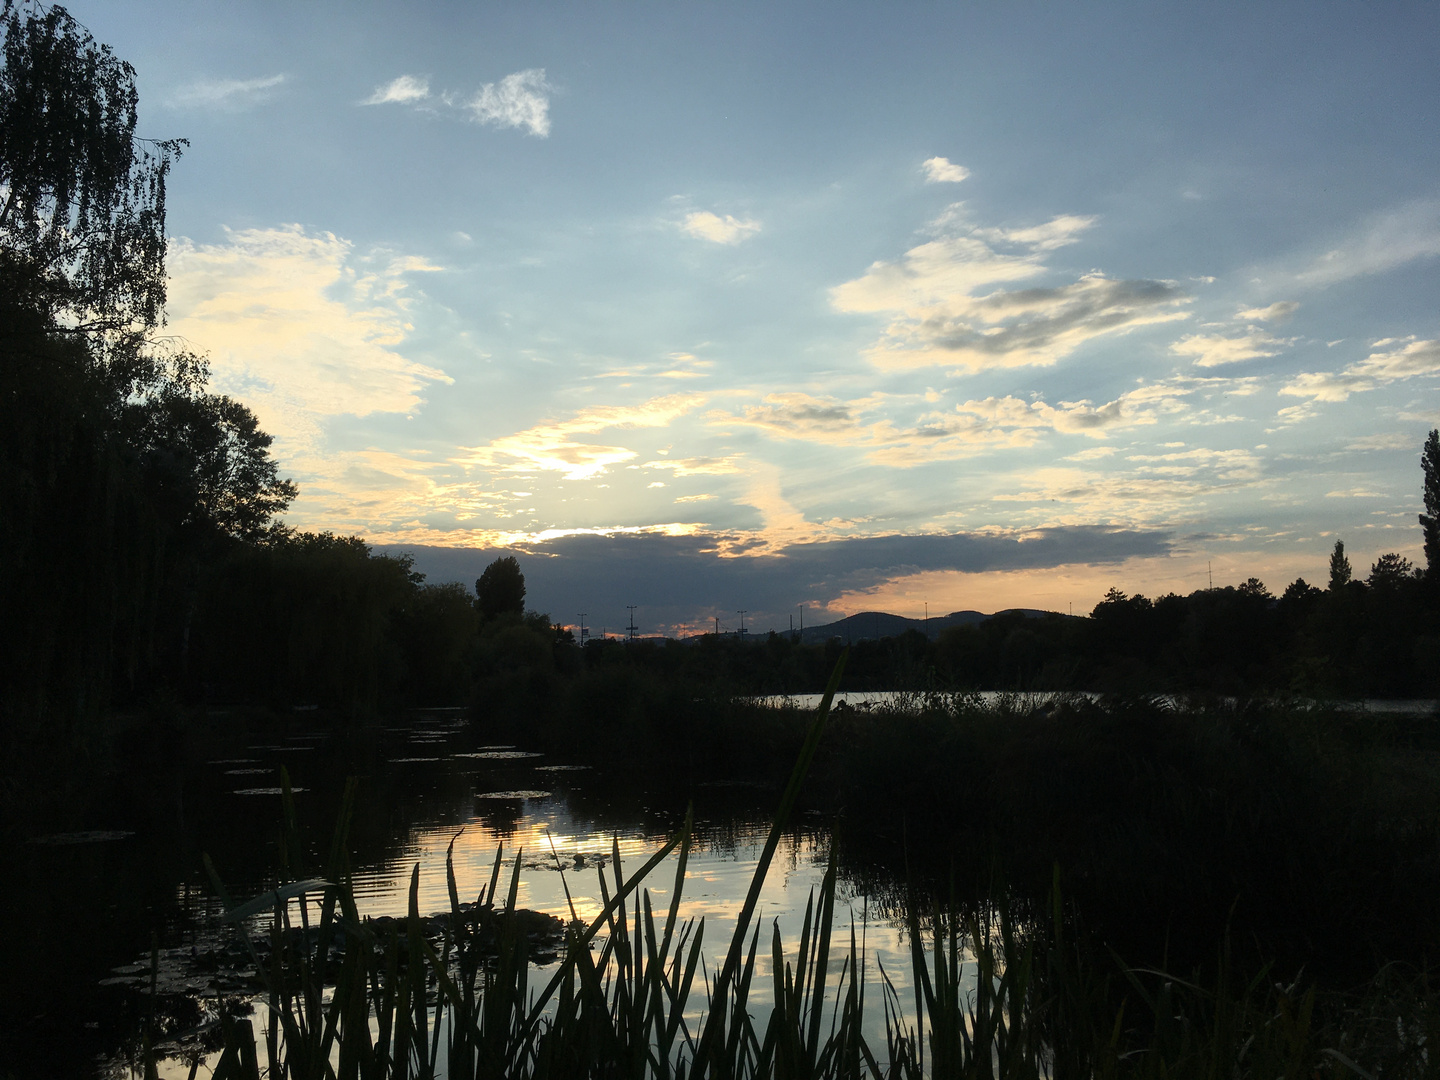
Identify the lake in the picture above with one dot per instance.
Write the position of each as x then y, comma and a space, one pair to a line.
425, 781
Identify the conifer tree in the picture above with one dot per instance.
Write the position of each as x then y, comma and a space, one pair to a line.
1339, 567
1430, 520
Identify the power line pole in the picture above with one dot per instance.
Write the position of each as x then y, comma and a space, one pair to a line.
630, 631
584, 634
742, 612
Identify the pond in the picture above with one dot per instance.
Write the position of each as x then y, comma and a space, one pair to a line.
424, 783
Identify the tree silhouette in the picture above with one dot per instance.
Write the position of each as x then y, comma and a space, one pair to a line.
1430, 520
1389, 571
1339, 567
501, 588
82, 228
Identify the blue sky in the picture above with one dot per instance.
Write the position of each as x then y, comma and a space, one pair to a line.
818, 303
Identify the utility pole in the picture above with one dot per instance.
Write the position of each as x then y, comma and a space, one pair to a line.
631, 628
717, 625
1211, 573
742, 613
584, 634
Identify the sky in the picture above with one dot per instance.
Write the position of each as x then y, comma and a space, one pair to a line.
831, 307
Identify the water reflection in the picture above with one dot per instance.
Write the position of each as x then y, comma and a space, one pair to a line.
427, 786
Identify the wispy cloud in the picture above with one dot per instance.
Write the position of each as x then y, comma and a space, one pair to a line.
942, 317
1280, 311
1212, 350
553, 447
226, 94
703, 466
406, 90
520, 100
1410, 359
1384, 242
871, 424
1389, 440
939, 170
720, 230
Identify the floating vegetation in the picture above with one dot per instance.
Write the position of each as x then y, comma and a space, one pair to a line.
266, 790
410, 760
561, 768
248, 772
523, 793
89, 836
501, 755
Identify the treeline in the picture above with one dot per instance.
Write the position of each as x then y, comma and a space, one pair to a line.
1379, 637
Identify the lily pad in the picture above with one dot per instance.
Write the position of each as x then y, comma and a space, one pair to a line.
89, 836
524, 793
267, 791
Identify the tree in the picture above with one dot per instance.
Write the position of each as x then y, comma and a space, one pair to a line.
501, 588
1256, 589
82, 228
1339, 567
207, 451
1389, 571
1430, 520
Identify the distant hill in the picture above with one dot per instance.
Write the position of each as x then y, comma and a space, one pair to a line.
871, 625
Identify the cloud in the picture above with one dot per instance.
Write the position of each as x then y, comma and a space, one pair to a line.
1094, 453
518, 100
1389, 440
300, 326
1027, 326
941, 316
973, 427
684, 576
1212, 350
930, 273
705, 466
1055, 233
1355, 493
228, 94
551, 446
406, 90
1279, 311
1383, 243
720, 230
939, 170
1411, 359
798, 415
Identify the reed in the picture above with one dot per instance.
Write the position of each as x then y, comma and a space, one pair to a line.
1000, 992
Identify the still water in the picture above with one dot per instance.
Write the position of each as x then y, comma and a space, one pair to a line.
432, 780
